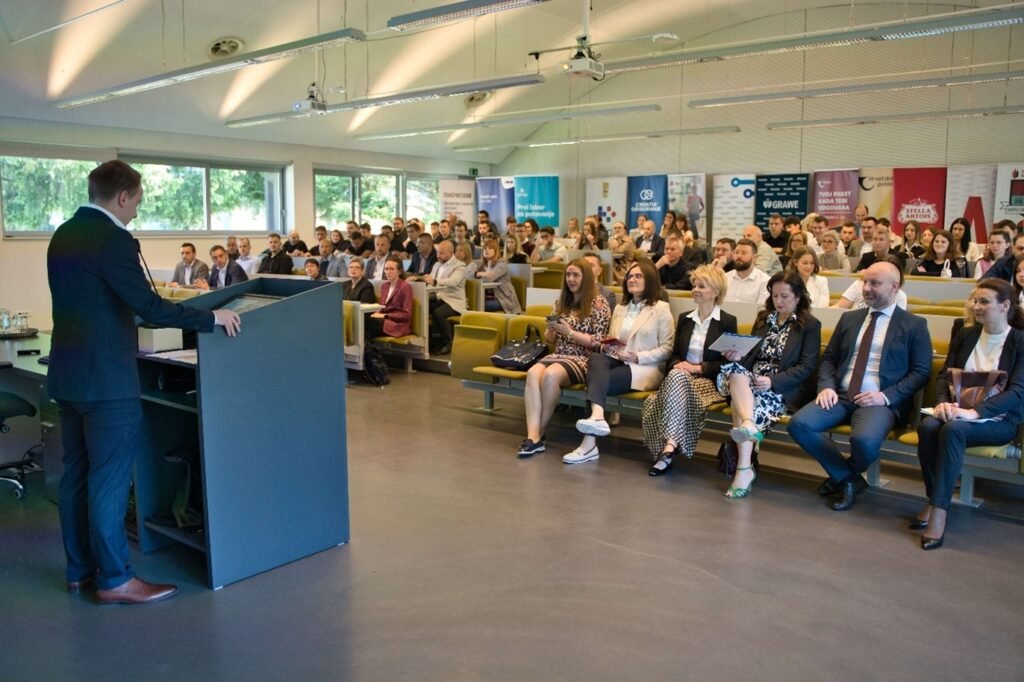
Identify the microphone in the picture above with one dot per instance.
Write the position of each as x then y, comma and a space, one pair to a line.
138, 245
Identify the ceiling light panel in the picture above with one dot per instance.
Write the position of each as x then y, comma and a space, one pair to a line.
458, 11
896, 118
653, 134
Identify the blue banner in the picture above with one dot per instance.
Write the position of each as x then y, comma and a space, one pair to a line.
537, 198
647, 194
497, 197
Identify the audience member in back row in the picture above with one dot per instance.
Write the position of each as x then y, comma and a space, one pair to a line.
723, 255
673, 418
1004, 267
911, 246
960, 231
249, 263
422, 261
312, 268
491, 268
1018, 282
997, 247
805, 264
673, 272
649, 242
375, 261
513, 252
547, 249
597, 267
277, 262
995, 343
632, 357
746, 284
358, 246
853, 297
765, 259
395, 317
776, 236
189, 269
576, 326
773, 378
464, 252
295, 246
943, 258
231, 247
358, 287
832, 258
449, 297
319, 235
225, 271
881, 248
860, 385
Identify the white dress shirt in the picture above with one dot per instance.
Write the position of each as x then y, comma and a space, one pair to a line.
855, 294
695, 351
249, 264
108, 214
871, 382
752, 289
817, 291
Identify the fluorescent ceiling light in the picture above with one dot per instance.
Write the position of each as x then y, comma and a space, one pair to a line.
270, 54
454, 12
960, 21
398, 98
891, 86
716, 130
514, 120
896, 118
67, 22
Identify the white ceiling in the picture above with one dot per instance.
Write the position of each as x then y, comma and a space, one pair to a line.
141, 38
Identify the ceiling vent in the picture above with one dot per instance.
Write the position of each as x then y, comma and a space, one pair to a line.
225, 47
477, 98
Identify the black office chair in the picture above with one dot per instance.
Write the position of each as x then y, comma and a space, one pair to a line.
14, 472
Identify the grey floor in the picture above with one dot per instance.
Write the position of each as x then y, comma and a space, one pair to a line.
467, 564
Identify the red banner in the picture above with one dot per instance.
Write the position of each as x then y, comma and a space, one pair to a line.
919, 194
835, 194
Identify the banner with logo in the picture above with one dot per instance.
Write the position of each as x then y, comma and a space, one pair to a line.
781, 193
971, 193
918, 194
606, 197
458, 197
497, 196
537, 198
648, 195
687, 195
1009, 204
835, 194
875, 191
733, 196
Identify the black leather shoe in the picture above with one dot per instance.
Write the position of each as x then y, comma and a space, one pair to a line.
931, 543
828, 488
848, 491
917, 524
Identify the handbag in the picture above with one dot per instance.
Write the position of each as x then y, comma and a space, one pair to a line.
521, 355
728, 456
970, 389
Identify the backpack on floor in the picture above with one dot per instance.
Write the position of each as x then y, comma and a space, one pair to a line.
375, 369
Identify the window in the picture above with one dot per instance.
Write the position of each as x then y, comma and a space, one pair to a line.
172, 198
423, 199
40, 194
245, 199
332, 197
378, 199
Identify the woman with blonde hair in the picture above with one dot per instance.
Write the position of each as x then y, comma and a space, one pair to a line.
492, 268
464, 252
513, 252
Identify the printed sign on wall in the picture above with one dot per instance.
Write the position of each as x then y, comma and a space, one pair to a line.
782, 193
918, 194
458, 197
876, 191
497, 197
835, 194
1009, 203
687, 195
647, 194
971, 192
606, 197
537, 198
734, 204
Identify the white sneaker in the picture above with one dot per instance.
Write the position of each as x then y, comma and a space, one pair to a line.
593, 427
579, 456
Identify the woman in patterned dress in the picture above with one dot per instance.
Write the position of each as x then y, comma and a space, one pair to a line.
673, 418
578, 322
775, 377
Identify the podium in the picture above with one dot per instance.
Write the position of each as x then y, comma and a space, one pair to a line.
269, 442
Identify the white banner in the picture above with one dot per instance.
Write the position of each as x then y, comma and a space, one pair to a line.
971, 193
1009, 193
687, 195
607, 198
458, 197
734, 205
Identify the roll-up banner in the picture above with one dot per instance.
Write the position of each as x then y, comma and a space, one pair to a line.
497, 196
970, 193
1010, 193
836, 194
734, 204
536, 196
876, 191
687, 195
647, 194
918, 194
606, 197
458, 197
783, 193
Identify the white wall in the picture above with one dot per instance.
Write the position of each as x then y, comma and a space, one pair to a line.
23, 259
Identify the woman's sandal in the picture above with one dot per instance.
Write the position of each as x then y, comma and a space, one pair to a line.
742, 434
663, 464
734, 493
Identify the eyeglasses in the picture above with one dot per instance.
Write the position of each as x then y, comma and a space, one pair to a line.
635, 275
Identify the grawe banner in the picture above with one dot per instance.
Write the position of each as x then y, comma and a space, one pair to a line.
458, 197
783, 193
687, 194
537, 198
875, 191
1009, 204
497, 196
606, 197
918, 194
971, 193
835, 194
733, 199
647, 194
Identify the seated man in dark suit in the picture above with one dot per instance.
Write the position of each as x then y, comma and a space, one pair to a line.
190, 269
225, 271
649, 242
423, 260
277, 262
881, 248
672, 269
860, 385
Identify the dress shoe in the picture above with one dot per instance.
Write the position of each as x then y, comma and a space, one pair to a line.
931, 543
76, 586
917, 524
135, 591
848, 491
579, 456
444, 350
828, 488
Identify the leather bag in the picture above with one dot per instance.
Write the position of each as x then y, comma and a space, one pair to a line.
522, 354
970, 389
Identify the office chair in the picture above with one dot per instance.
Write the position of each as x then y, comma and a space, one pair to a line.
14, 472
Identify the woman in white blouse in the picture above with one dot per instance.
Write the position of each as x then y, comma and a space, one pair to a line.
632, 357
805, 263
995, 342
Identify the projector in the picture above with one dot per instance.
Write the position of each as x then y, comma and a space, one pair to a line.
584, 67
309, 106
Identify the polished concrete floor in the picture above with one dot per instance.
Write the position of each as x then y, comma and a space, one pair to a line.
468, 564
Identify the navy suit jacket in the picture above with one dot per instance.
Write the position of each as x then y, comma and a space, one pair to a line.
711, 362
793, 378
233, 275
1003, 268
98, 287
1011, 401
657, 246
419, 266
906, 363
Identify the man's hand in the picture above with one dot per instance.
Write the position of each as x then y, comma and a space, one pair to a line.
761, 384
869, 399
201, 284
428, 280
827, 399
229, 320
173, 285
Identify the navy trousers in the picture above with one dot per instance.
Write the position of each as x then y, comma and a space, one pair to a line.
99, 441
870, 426
940, 449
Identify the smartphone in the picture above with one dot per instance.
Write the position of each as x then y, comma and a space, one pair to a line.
552, 319
28, 351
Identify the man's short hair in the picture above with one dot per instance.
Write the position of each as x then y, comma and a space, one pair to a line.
189, 245
871, 218
548, 230
215, 248
488, 215
884, 221
272, 235
109, 179
314, 261
425, 238
790, 220
747, 242
1003, 233
775, 216
850, 224
727, 240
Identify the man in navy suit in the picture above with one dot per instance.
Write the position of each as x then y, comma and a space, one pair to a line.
98, 287
860, 385
225, 271
650, 243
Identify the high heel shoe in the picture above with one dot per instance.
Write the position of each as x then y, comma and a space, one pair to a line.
664, 459
742, 434
917, 524
931, 543
734, 493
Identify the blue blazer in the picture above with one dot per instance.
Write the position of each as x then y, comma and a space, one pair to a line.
906, 363
98, 287
233, 275
1011, 401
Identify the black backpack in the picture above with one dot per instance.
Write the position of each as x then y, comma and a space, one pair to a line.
375, 369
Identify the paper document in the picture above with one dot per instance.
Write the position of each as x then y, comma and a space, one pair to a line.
738, 342
188, 356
